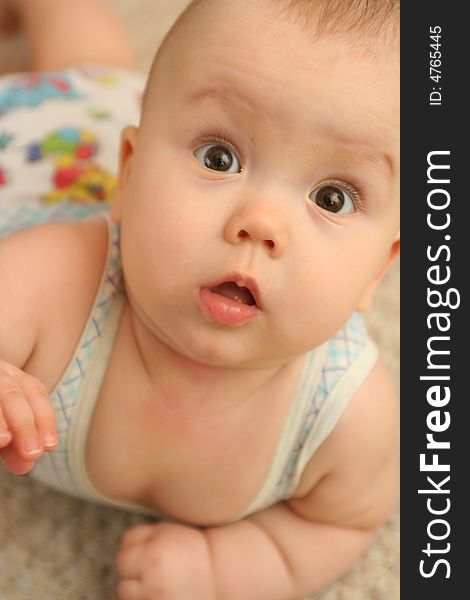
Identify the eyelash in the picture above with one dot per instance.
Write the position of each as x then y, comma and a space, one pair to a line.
353, 190
215, 137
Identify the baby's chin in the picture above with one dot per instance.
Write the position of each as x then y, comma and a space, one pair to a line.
253, 345
250, 352
206, 351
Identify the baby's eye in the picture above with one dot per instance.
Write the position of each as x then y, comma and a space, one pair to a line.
218, 158
333, 199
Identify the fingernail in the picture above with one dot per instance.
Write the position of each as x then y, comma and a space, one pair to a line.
31, 448
5, 436
49, 441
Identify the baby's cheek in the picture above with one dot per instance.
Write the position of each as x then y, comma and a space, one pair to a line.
322, 308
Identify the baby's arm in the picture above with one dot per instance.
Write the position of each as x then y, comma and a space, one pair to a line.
35, 267
24, 405
294, 548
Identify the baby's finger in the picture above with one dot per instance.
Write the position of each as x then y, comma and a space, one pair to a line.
43, 412
20, 418
5, 435
137, 535
129, 589
129, 562
14, 463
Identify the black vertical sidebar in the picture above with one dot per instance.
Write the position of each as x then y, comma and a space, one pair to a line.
435, 322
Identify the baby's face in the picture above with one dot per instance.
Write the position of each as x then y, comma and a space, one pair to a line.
264, 159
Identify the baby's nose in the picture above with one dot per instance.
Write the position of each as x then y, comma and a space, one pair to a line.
261, 224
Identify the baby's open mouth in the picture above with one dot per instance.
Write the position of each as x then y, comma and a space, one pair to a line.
232, 302
232, 290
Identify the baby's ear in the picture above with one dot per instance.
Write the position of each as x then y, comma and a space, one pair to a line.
365, 302
126, 152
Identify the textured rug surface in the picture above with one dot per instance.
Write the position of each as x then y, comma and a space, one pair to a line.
56, 548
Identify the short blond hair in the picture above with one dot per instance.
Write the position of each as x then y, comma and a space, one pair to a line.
353, 17
357, 18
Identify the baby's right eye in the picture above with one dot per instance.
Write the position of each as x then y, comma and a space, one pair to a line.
218, 158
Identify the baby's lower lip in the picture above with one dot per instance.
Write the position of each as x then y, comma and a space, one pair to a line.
225, 310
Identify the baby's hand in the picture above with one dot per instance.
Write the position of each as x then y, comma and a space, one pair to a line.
27, 422
165, 562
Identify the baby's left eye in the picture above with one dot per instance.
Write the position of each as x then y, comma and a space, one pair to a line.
218, 158
333, 199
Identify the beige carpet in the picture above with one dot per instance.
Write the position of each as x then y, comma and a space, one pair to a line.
56, 548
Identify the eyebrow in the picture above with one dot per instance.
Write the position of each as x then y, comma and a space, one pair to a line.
371, 155
378, 160
226, 94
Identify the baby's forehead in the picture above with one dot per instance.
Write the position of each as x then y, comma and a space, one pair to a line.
369, 24
264, 25
280, 40
237, 46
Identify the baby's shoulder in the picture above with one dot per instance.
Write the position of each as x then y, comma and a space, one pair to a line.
367, 431
352, 477
54, 256
52, 272
371, 418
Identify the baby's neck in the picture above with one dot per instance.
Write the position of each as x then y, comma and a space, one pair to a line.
196, 387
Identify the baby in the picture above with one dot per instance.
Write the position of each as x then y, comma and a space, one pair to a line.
198, 353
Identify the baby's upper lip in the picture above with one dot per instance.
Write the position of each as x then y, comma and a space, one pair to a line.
242, 281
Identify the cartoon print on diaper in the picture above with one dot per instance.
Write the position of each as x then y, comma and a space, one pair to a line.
99, 74
105, 78
98, 114
5, 139
76, 176
33, 90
